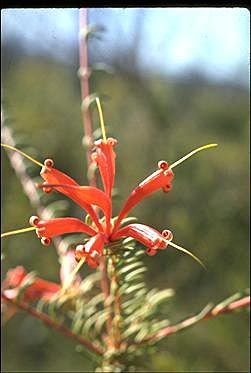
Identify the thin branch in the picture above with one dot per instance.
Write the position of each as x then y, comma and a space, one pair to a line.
216, 311
51, 323
117, 304
105, 287
203, 315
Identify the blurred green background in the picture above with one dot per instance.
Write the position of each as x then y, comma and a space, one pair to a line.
154, 116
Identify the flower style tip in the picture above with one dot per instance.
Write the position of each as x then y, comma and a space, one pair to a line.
49, 163
167, 234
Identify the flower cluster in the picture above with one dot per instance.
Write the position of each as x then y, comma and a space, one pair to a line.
105, 229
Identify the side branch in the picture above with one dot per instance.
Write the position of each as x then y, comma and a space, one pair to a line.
59, 327
203, 315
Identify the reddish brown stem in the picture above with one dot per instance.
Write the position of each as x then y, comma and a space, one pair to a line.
84, 84
243, 302
88, 130
51, 323
216, 311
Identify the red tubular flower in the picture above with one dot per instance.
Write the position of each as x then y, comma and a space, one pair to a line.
104, 157
58, 226
39, 289
159, 179
148, 236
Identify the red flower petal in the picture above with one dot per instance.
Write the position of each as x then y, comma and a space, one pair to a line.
56, 227
159, 179
54, 176
91, 196
148, 236
105, 159
41, 289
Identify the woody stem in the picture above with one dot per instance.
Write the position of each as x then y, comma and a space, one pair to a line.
84, 84
88, 130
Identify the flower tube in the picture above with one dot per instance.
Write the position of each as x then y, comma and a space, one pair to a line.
161, 179
47, 229
146, 235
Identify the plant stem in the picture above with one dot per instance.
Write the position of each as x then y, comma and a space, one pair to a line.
116, 304
51, 323
105, 286
88, 131
216, 311
84, 84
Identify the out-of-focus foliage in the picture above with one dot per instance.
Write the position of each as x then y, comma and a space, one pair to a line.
153, 118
